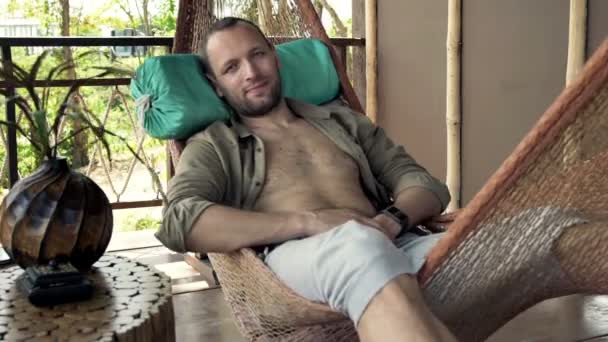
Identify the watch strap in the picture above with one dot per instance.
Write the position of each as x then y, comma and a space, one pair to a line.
398, 216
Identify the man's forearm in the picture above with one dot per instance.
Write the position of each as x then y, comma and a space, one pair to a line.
418, 203
225, 229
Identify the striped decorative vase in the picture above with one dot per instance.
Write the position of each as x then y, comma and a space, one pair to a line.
55, 214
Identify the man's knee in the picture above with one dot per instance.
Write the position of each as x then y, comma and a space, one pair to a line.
344, 267
352, 245
353, 265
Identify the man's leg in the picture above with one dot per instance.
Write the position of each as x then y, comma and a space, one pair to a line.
353, 267
402, 297
398, 313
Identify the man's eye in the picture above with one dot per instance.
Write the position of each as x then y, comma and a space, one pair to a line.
231, 68
258, 53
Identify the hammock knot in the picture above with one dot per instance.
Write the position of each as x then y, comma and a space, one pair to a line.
142, 105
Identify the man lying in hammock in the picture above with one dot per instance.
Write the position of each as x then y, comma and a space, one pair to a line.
314, 184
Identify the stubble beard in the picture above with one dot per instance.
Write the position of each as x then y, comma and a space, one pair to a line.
246, 108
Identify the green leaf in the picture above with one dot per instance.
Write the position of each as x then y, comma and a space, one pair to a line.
42, 129
13, 73
98, 131
37, 63
20, 130
115, 71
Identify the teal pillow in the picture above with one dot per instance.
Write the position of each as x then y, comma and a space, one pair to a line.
175, 100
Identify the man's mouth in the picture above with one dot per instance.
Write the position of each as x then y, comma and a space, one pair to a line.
255, 87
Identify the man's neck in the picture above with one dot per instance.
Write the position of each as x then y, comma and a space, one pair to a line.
279, 117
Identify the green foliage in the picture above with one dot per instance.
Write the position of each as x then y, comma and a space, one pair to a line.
138, 221
165, 22
333, 31
35, 106
94, 100
147, 223
43, 108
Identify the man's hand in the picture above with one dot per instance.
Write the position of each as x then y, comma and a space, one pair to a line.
322, 220
388, 226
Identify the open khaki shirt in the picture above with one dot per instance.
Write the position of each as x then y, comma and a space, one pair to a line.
225, 164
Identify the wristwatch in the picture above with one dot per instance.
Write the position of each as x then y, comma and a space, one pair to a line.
398, 216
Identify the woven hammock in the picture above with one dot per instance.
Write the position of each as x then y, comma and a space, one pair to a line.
536, 230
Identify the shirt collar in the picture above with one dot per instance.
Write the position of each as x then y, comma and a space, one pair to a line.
300, 108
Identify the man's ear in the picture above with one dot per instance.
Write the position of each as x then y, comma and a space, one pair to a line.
213, 81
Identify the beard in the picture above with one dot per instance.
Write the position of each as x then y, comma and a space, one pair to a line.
245, 107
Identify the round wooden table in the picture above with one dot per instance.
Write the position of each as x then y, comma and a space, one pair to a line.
131, 302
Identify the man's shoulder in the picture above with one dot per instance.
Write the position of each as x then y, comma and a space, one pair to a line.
336, 109
347, 117
219, 130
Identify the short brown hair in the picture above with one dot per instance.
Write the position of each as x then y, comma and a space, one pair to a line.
220, 25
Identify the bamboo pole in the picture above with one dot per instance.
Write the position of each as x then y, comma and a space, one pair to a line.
577, 38
371, 54
453, 97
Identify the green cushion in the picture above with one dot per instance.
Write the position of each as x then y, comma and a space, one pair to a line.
175, 100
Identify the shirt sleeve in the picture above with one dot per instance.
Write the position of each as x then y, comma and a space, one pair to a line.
199, 183
392, 165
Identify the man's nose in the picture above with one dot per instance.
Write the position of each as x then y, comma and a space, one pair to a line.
250, 70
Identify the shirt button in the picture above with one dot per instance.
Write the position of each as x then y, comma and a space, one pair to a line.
258, 149
258, 183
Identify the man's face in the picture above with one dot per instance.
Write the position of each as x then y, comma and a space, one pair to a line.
245, 70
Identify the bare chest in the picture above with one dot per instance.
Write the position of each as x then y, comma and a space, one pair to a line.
306, 157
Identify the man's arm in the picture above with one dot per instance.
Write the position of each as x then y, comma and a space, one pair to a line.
418, 203
195, 220
414, 190
225, 229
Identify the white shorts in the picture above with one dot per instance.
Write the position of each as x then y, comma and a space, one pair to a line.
346, 266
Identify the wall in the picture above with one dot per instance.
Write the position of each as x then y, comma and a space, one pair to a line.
513, 66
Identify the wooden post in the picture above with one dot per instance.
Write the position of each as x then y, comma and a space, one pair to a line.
453, 94
194, 18
577, 38
371, 71
358, 52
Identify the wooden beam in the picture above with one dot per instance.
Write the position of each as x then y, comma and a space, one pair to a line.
205, 269
85, 41
357, 74
453, 99
136, 204
371, 62
67, 83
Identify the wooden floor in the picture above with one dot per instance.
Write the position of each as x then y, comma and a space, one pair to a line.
204, 316
201, 313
